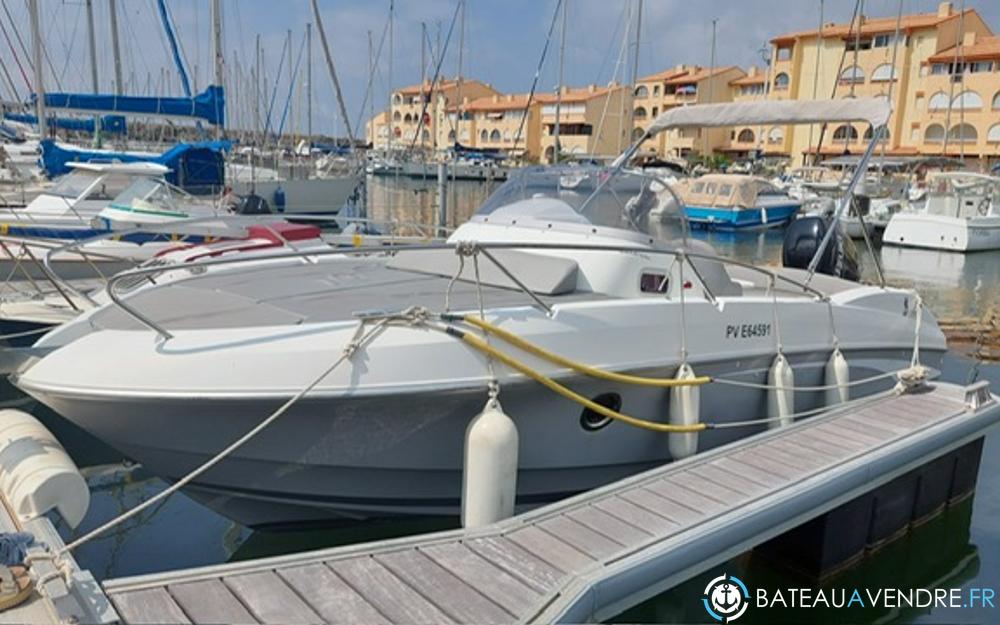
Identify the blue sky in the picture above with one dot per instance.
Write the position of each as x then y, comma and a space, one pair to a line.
503, 41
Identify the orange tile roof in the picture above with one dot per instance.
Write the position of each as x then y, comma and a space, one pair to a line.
581, 94
502, 103
871, 26
984, 48
666, 74
749, 80
699, 74
442, 85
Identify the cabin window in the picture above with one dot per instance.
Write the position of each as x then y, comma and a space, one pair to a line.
710, 188
653, 282
725, 190
699, 187
109, 187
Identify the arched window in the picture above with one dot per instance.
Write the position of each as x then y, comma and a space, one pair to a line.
745, 136
549, 153
845, 133
938, 102
396, 116
495, 135
484, 135
993, 136
996, 101
934, 134
397, 99
870, 134
967, 100
853, 74
641, 91
425, 135
639, 113
884, 73
964, 133
775, 135
637, 133
781, 82
407, 118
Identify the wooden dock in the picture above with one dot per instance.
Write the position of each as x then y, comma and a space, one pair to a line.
591, 556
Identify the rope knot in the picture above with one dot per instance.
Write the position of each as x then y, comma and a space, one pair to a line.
466, 248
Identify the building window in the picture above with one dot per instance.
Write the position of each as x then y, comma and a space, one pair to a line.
938, 102
637, 133
781, 82
939, 68
870, 134
746, 136
784, 53
993, 136
852, 75
451, 135
656, 111
656, 90
495, 135
639, 113
884, 73
396, 116
996, 101
967, 100
397, 99
934, 134
883, 41
484, 136
845, 134
775, 135
855, 43
641, 92
964, 133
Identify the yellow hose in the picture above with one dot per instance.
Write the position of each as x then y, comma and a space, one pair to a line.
481, 345
593, 372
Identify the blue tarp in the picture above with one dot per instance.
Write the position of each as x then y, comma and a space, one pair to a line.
210, 105
194, 167
109, 123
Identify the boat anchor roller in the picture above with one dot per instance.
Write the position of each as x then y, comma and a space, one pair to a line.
780, 392
36, 473
837, 376
489, 477
685, 405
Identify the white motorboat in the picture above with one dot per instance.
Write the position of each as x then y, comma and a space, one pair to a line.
960, 213
171, 373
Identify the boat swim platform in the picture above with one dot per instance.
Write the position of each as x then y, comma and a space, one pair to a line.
594, 555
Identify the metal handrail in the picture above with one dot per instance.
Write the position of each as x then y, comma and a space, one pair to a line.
457, 246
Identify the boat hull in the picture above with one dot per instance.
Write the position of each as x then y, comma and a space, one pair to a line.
939, 232
740, 218
401, 454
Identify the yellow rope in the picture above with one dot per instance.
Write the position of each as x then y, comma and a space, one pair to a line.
593, 372
481, 345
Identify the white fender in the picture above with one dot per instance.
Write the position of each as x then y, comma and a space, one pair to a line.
685, 406
838, 373
36, 473
780, 401
489, 477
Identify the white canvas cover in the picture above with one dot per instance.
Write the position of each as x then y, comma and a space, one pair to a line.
875, 111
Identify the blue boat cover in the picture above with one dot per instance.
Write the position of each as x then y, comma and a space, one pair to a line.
197, 168
210, 105
109, 123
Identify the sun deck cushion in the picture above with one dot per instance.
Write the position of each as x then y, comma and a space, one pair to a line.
545, 275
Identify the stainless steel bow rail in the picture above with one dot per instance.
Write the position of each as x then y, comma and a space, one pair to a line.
588, 557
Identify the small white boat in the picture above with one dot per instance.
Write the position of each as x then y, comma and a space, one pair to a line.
961, 213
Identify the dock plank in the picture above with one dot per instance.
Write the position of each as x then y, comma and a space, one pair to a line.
507, 555
672, 487
581, 537
209, 601
270, 599
556, 552
608, 525
507, 591
728, 480
451, 595
639, 517
152, 605
387, 593
329, 596
667, 508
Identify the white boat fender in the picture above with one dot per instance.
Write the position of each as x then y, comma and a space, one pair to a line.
685, 406
489, 477
781, 394
36, 473
837, 375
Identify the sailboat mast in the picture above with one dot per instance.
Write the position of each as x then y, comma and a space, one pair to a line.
36, 50
93, 66
116, 52
711, 84
562, 58
392, 6
635, 66
333, 73
217, 51
309, 82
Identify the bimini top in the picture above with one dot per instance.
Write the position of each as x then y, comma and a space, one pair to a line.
875, 111
725, 190
134, 169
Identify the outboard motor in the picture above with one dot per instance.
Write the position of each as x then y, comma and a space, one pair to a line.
802, 239
253, 204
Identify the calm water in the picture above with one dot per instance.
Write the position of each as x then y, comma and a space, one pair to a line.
960, 548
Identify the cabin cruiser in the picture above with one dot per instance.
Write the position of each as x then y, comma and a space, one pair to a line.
580, 272
960, 213
735, 201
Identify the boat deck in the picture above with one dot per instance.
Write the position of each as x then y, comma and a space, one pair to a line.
591, 556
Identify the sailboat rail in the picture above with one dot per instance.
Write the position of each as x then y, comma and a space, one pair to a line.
460, 247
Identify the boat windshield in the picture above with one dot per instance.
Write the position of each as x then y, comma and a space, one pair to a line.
624, 202
968, 184
73, 184
144, 192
